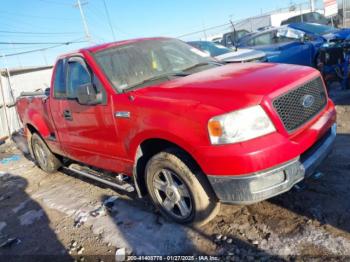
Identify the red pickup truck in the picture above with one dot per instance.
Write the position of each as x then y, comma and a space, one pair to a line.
159, 116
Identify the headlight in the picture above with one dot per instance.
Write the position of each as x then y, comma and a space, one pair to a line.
239, 126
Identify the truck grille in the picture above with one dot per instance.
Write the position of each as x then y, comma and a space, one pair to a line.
300, 105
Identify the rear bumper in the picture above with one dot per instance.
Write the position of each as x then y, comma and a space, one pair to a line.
259, 186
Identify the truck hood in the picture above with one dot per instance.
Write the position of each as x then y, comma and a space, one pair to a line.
229, 87
242, 55
342, 34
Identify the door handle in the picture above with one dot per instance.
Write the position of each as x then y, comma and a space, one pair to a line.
67, 115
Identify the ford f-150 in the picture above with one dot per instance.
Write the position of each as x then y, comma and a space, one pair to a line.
158, 116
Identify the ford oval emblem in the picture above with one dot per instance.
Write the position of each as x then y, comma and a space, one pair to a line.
308, 101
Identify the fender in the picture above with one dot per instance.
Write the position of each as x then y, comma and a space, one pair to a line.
135, 153
158, 134
36, 120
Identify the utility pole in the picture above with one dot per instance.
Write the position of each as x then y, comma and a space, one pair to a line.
312, 5
109, 19
86, 28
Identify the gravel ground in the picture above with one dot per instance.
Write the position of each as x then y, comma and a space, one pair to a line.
66, 217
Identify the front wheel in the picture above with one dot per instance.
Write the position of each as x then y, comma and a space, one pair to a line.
178, 192
44, 158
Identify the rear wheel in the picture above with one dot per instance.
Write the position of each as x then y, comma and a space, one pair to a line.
180, 193
44, 158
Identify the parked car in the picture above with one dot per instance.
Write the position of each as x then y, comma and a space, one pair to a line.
217, 40
312, 17
297, 43
264, 28
320, 46
229, 39
225, 54
283, 45
324, 32
185, 129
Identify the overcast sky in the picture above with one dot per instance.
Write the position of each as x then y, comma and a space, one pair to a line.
57, 21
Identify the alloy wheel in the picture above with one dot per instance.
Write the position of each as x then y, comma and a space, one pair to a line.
173, 194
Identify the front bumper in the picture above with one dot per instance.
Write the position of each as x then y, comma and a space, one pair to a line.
259, 186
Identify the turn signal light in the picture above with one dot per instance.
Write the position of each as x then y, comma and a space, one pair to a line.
215, 128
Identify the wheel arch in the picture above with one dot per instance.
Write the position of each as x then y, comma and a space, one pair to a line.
29, 131
152, 146
37, 124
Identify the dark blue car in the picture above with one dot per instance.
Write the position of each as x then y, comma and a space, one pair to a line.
297, 43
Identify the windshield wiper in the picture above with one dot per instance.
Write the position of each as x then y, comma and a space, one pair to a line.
155, 78
202, 64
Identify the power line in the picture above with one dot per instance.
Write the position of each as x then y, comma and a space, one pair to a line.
201, 31
38, 33
37, 43
21, 15
20, 23
43, 49
109, 19
5, 37
95, 14
54, 2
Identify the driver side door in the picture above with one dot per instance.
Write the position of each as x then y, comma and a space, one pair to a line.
90, 130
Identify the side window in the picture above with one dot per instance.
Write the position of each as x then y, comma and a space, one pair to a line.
316, 16
264, 39
229, 38
251, 42
77, 75
242, 33
59, 86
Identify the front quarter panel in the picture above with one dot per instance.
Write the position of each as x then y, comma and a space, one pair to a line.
162, 118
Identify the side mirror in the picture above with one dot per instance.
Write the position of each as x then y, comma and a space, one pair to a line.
304, 38
87, 95
307, 38
47, 91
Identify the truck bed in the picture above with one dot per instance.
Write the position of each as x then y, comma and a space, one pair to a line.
31, 105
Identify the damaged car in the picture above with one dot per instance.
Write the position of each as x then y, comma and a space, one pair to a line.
284, 45
323, 47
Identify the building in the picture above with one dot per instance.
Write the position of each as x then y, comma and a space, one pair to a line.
12, 83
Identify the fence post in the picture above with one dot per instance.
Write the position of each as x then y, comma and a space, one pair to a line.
4, 105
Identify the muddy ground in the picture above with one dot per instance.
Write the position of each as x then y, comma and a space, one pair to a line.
49, 217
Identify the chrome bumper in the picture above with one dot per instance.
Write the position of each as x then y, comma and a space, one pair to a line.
256, 187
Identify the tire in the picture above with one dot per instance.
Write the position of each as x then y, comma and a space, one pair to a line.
44, 158
179, 191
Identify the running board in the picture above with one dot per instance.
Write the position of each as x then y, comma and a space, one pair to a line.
103, 178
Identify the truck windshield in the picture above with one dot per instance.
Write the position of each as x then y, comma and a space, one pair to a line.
138, 64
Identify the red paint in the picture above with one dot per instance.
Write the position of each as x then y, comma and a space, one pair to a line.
178, 111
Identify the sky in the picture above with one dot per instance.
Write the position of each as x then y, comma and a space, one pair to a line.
59, 21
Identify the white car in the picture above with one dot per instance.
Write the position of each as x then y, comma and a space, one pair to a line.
229, 55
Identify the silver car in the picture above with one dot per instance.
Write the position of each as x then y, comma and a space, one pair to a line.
229, 55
